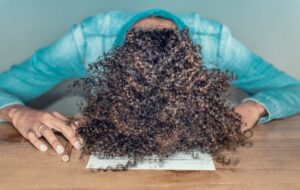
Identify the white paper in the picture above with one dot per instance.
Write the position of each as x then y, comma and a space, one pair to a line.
178, 161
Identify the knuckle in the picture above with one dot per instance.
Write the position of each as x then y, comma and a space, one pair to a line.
28, 136
35, 126
46, 131
29, 133
63, 126
59, 115
46, 116
55, 113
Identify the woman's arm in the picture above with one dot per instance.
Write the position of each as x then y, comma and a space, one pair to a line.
269, 87
35, 76
44, 69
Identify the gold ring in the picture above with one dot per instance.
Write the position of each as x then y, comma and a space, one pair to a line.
40, 128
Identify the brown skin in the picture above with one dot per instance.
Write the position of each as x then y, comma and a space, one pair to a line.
250, 112
28, 121
154, 22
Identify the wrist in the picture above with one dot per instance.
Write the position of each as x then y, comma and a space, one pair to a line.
258, 108
7, 113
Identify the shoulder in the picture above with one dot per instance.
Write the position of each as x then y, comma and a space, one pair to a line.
105, 23
201, 25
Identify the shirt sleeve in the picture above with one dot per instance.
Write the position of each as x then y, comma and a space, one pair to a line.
278, 92
44, 69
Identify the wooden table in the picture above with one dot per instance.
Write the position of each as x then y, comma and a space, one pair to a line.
272, 163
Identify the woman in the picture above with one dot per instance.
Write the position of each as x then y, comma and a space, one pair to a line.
273, 94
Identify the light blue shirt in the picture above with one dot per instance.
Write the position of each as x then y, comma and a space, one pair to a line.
69, 57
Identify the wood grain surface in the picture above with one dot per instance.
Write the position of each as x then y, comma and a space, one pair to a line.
273, 162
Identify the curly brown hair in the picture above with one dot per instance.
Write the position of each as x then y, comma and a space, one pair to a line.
153, 95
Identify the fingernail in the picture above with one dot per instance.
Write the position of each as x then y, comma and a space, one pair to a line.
43, 148
59, 149
78, 145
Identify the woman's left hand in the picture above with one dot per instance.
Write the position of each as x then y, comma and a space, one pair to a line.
250, 112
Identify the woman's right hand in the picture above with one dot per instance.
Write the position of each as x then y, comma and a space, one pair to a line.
34, 124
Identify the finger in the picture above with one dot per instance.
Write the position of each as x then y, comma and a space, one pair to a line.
66, 130
74, 125
53, 141
64, 118
245, 127
31, 136
37, 132
60, 116
49, 125
38, 127
80, 119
